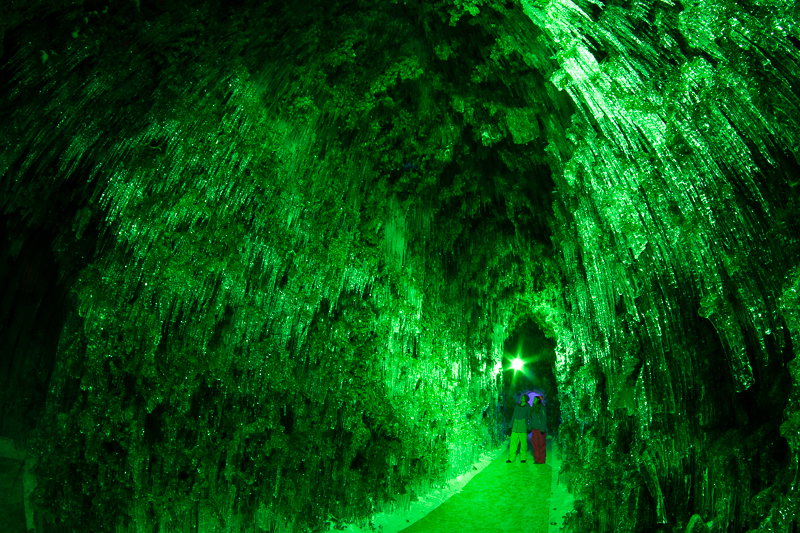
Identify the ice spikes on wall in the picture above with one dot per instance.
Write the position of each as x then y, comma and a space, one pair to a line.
295, 237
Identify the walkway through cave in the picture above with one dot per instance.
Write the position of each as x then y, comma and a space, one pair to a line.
501, 497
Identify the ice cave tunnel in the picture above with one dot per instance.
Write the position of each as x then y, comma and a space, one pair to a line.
296, 266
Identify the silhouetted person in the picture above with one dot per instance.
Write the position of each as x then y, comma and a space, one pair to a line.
520, 424
539, 435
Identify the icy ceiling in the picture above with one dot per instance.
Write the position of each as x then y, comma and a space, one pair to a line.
288, 241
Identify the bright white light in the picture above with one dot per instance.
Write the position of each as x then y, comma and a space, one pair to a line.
517, 364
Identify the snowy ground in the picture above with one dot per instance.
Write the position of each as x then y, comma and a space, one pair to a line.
558, 502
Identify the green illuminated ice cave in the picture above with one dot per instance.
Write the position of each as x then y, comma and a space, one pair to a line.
262, 261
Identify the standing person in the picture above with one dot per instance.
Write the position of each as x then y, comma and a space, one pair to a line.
539, 435
519, 429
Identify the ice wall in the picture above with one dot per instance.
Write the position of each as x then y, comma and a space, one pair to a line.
670, 218
266, 335
260, 327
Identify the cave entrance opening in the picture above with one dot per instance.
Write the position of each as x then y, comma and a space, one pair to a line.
529, 367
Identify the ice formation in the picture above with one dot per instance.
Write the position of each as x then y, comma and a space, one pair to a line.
293, 238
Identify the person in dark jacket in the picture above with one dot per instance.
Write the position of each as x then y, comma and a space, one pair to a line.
521, 423
539, 434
